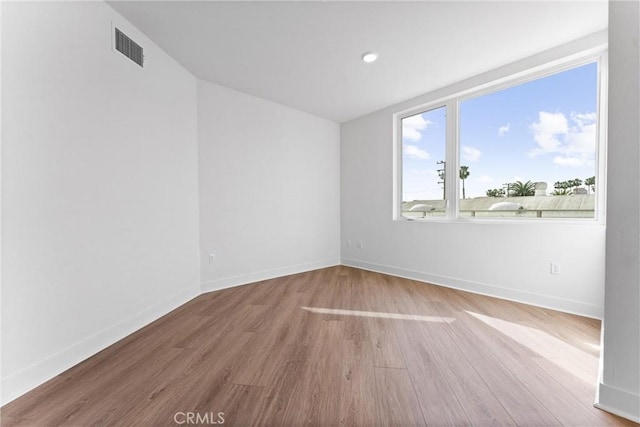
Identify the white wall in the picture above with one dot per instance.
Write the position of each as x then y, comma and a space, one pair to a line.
99, 188
506, 260
619, 390
269, 188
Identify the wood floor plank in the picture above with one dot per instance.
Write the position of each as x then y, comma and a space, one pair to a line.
385, 345
259, 363
99, 396
103, 401
356, 328
312, 402
236, 405
336, 346
438, 402
195, 388
514, 396
396, 400
467, 384
251, 317
270, 409
358, 387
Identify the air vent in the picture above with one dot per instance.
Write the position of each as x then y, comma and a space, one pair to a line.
129, 48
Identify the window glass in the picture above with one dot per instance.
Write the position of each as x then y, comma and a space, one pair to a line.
530, 150
423, 164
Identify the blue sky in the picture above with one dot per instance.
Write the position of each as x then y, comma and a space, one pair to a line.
544, 130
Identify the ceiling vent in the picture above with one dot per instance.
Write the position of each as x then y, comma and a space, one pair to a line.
129, 48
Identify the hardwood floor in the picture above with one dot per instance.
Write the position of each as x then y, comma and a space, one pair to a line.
337, 346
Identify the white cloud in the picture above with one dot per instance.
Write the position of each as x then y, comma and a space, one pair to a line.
471, 154
412, 127
582, 136
502, 130
572, 161
572, 138
547, 132
415, 152
484, 179
584, 118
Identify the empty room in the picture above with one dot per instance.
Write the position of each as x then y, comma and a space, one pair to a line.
264, 213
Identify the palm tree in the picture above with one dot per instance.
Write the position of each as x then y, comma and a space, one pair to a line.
562, 188
561, 192
575, 183
519, 188
591, 184
464, 174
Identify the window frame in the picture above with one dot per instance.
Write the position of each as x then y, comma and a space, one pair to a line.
452, 104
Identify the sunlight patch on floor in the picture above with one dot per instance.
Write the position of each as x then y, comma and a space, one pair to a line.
577, 362
396, 316
594, 346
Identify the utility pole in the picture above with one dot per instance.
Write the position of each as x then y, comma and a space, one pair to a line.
507, 186
442, 174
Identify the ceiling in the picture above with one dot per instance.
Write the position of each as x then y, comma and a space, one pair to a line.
306, 54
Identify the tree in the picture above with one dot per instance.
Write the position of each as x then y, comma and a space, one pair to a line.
464, 174
519, 188
575, 183
591, 184
562, 188
561, 192
496, 192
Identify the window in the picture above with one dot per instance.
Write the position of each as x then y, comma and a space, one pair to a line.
526, 149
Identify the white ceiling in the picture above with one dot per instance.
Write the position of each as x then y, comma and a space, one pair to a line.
306, 54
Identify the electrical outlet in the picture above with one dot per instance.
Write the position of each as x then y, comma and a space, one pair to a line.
212, 258
349, 243
554, 268
360, 244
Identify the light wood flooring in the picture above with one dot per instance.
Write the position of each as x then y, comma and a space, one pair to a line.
337, 346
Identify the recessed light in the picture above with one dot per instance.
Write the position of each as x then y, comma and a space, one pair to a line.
369, 56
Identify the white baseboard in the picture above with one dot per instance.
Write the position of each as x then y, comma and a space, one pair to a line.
243, 279
618, 402
17, 384
545, 301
